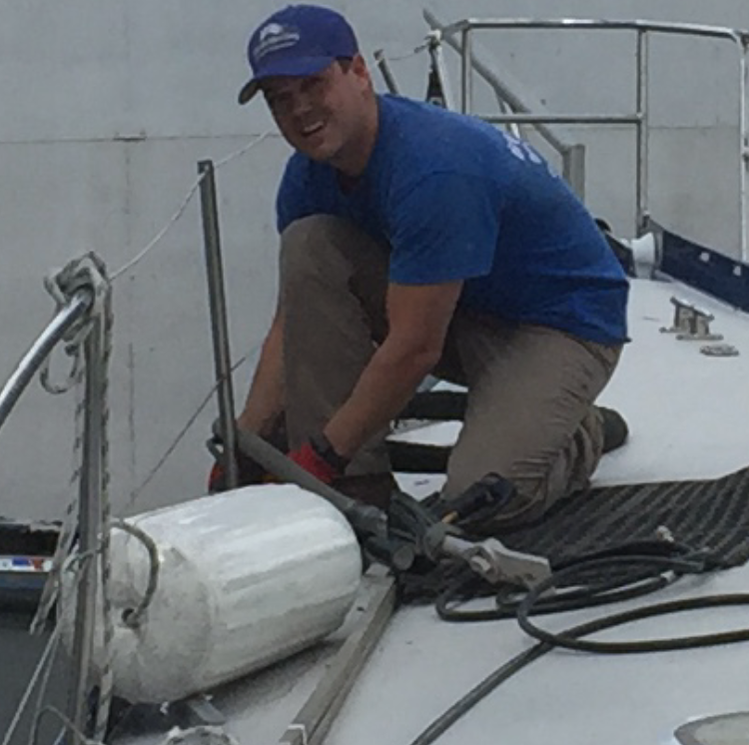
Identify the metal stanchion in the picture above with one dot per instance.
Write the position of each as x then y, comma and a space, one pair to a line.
219, 326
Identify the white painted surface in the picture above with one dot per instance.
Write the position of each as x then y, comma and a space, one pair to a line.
244, 579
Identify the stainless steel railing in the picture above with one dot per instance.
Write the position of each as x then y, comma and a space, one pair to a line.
65, 319
465, 29
82, 294
512, 100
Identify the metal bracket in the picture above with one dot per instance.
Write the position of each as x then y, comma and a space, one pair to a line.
717, 730
691, 323
719, 350
496, 563
198, 711
311, 724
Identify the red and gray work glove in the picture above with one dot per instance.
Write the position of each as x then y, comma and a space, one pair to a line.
249, 471
319, 458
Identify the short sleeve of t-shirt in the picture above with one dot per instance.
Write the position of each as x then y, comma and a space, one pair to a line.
444, 228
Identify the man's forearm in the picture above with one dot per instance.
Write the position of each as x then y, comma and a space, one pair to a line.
265, 400
384, 388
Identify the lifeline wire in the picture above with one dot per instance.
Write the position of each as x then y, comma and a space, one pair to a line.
181, 434
135, 260
45, 659
77, 373
67, 724
181, 209
408, 55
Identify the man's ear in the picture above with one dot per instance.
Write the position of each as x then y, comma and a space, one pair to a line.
359, 68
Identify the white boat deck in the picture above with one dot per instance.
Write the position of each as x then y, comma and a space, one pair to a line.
688, 415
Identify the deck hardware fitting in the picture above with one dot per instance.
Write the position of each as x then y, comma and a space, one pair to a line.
691, 323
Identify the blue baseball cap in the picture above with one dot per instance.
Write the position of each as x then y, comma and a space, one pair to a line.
298, 40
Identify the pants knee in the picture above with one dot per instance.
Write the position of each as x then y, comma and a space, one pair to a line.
306, 245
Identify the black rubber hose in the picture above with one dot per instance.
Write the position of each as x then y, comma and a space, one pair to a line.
638, 568
414, 457
440, 725
587, 597
436, 406
569, 641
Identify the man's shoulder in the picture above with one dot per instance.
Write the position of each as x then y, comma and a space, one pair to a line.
423, 138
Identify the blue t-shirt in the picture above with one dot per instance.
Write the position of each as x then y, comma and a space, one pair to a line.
458, 199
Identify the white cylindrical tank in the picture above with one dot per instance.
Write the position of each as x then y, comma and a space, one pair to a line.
245, 579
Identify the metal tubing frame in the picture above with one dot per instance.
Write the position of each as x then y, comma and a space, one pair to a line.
573, 169
515, 103
438, 60
643, 131
80, 303
562, 118
466, 93
90, 527
387, 74
744, 144
640, 119
693, 29
219, 324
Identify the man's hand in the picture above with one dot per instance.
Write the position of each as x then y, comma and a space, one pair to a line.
318, 458
249, 471
418, 319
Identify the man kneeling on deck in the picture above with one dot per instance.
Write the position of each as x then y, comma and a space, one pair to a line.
413, 241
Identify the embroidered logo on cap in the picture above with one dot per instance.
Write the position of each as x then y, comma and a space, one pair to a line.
273, 38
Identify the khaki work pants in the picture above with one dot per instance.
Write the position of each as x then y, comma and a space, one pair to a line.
530, 414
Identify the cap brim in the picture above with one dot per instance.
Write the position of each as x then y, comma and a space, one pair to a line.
249, 89
285, 68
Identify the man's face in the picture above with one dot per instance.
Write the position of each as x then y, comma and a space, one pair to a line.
319, 114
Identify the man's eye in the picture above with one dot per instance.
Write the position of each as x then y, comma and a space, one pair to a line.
314, 84
279, 100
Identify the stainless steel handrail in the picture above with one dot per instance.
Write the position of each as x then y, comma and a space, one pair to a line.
80, 303
507, 92
639, 119
73, 309
694, 29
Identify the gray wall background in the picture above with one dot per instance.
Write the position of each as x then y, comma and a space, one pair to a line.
108, 106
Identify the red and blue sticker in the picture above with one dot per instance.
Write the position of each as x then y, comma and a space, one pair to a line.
25, 563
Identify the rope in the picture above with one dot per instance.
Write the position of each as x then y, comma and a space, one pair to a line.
106, 683
135, 494
80, 737
55, 638
181, 209
400, 57
100, 320
132, 616
47, 656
